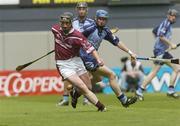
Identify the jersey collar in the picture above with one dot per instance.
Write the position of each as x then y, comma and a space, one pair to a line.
71, 31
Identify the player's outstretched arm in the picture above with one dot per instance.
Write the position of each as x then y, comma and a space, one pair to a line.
167, 42
123, 47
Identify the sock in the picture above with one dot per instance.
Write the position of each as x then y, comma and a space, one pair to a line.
100, 106
171, 89
171, 86
141, 89
85, 99
122, 98
66, 97
77, 94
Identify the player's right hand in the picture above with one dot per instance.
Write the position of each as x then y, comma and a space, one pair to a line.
100, 62
173, 46
133, 56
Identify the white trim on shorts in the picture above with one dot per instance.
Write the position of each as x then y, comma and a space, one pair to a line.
71, 67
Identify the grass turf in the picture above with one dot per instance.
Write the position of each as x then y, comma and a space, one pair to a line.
156, 110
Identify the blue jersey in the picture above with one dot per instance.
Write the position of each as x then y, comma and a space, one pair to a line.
80, 25
164, 29
95, 36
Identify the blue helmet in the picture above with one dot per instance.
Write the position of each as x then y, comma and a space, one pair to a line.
102, 13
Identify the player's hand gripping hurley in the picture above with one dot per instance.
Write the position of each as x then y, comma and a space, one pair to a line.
169, 49
174, 61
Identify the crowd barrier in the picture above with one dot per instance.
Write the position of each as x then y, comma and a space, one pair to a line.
47, 82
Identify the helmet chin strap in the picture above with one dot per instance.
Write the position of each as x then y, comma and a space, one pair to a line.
82, 18
173, 22
67, 31
101, 27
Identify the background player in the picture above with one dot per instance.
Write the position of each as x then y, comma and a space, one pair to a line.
132, 75
163, 33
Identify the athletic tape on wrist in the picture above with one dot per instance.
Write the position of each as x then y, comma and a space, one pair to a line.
130, 52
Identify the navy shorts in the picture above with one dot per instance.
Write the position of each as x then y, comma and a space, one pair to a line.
89, 61
166, 55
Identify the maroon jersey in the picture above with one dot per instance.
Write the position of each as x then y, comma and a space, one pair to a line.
68, 45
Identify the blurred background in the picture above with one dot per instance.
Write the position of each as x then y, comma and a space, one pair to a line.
25, 28
25, 35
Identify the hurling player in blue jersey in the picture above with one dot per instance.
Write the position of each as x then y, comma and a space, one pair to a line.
78, 24
163, 33
81, 20
96, 33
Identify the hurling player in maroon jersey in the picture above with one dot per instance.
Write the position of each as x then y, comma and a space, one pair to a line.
68, 42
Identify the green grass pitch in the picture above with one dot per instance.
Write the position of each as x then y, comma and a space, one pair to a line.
156, 110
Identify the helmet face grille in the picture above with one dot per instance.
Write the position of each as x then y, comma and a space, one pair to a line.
66, 17
82, 4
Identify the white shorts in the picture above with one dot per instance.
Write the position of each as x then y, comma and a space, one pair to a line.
70, 67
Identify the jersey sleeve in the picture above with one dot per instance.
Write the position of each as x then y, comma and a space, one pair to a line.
88, 29
111, 38
86, 45
163, 28
54, 29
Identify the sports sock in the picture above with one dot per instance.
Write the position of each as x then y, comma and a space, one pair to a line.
85, 99
66, 97
122, 98
77, 94
141, 89
171, 86
171, 89
100, 106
